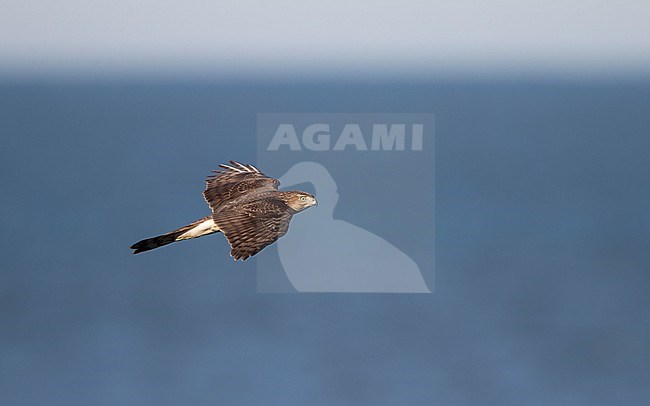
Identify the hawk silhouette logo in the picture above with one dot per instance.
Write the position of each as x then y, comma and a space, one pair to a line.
247, 208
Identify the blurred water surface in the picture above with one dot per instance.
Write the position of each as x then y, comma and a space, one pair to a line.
542, 260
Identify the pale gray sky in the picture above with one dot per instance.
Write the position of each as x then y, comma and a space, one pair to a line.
285, 37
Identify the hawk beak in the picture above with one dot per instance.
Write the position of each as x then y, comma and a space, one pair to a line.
315, 202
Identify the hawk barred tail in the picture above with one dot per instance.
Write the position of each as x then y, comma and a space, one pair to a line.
197, 229
247, 208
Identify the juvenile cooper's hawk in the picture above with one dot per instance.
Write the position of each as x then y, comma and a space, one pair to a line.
247, 208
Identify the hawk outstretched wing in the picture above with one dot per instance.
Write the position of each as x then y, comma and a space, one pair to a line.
235, 181
250, 227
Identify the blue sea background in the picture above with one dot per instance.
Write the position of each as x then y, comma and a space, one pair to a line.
542, 250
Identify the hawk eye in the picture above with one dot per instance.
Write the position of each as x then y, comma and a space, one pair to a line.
303, 198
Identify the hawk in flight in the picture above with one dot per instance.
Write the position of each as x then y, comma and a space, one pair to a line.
247, 208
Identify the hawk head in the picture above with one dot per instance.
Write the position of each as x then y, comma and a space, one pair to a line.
299, 201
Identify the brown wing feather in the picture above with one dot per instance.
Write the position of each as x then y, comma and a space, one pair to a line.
233, 181
252, 226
